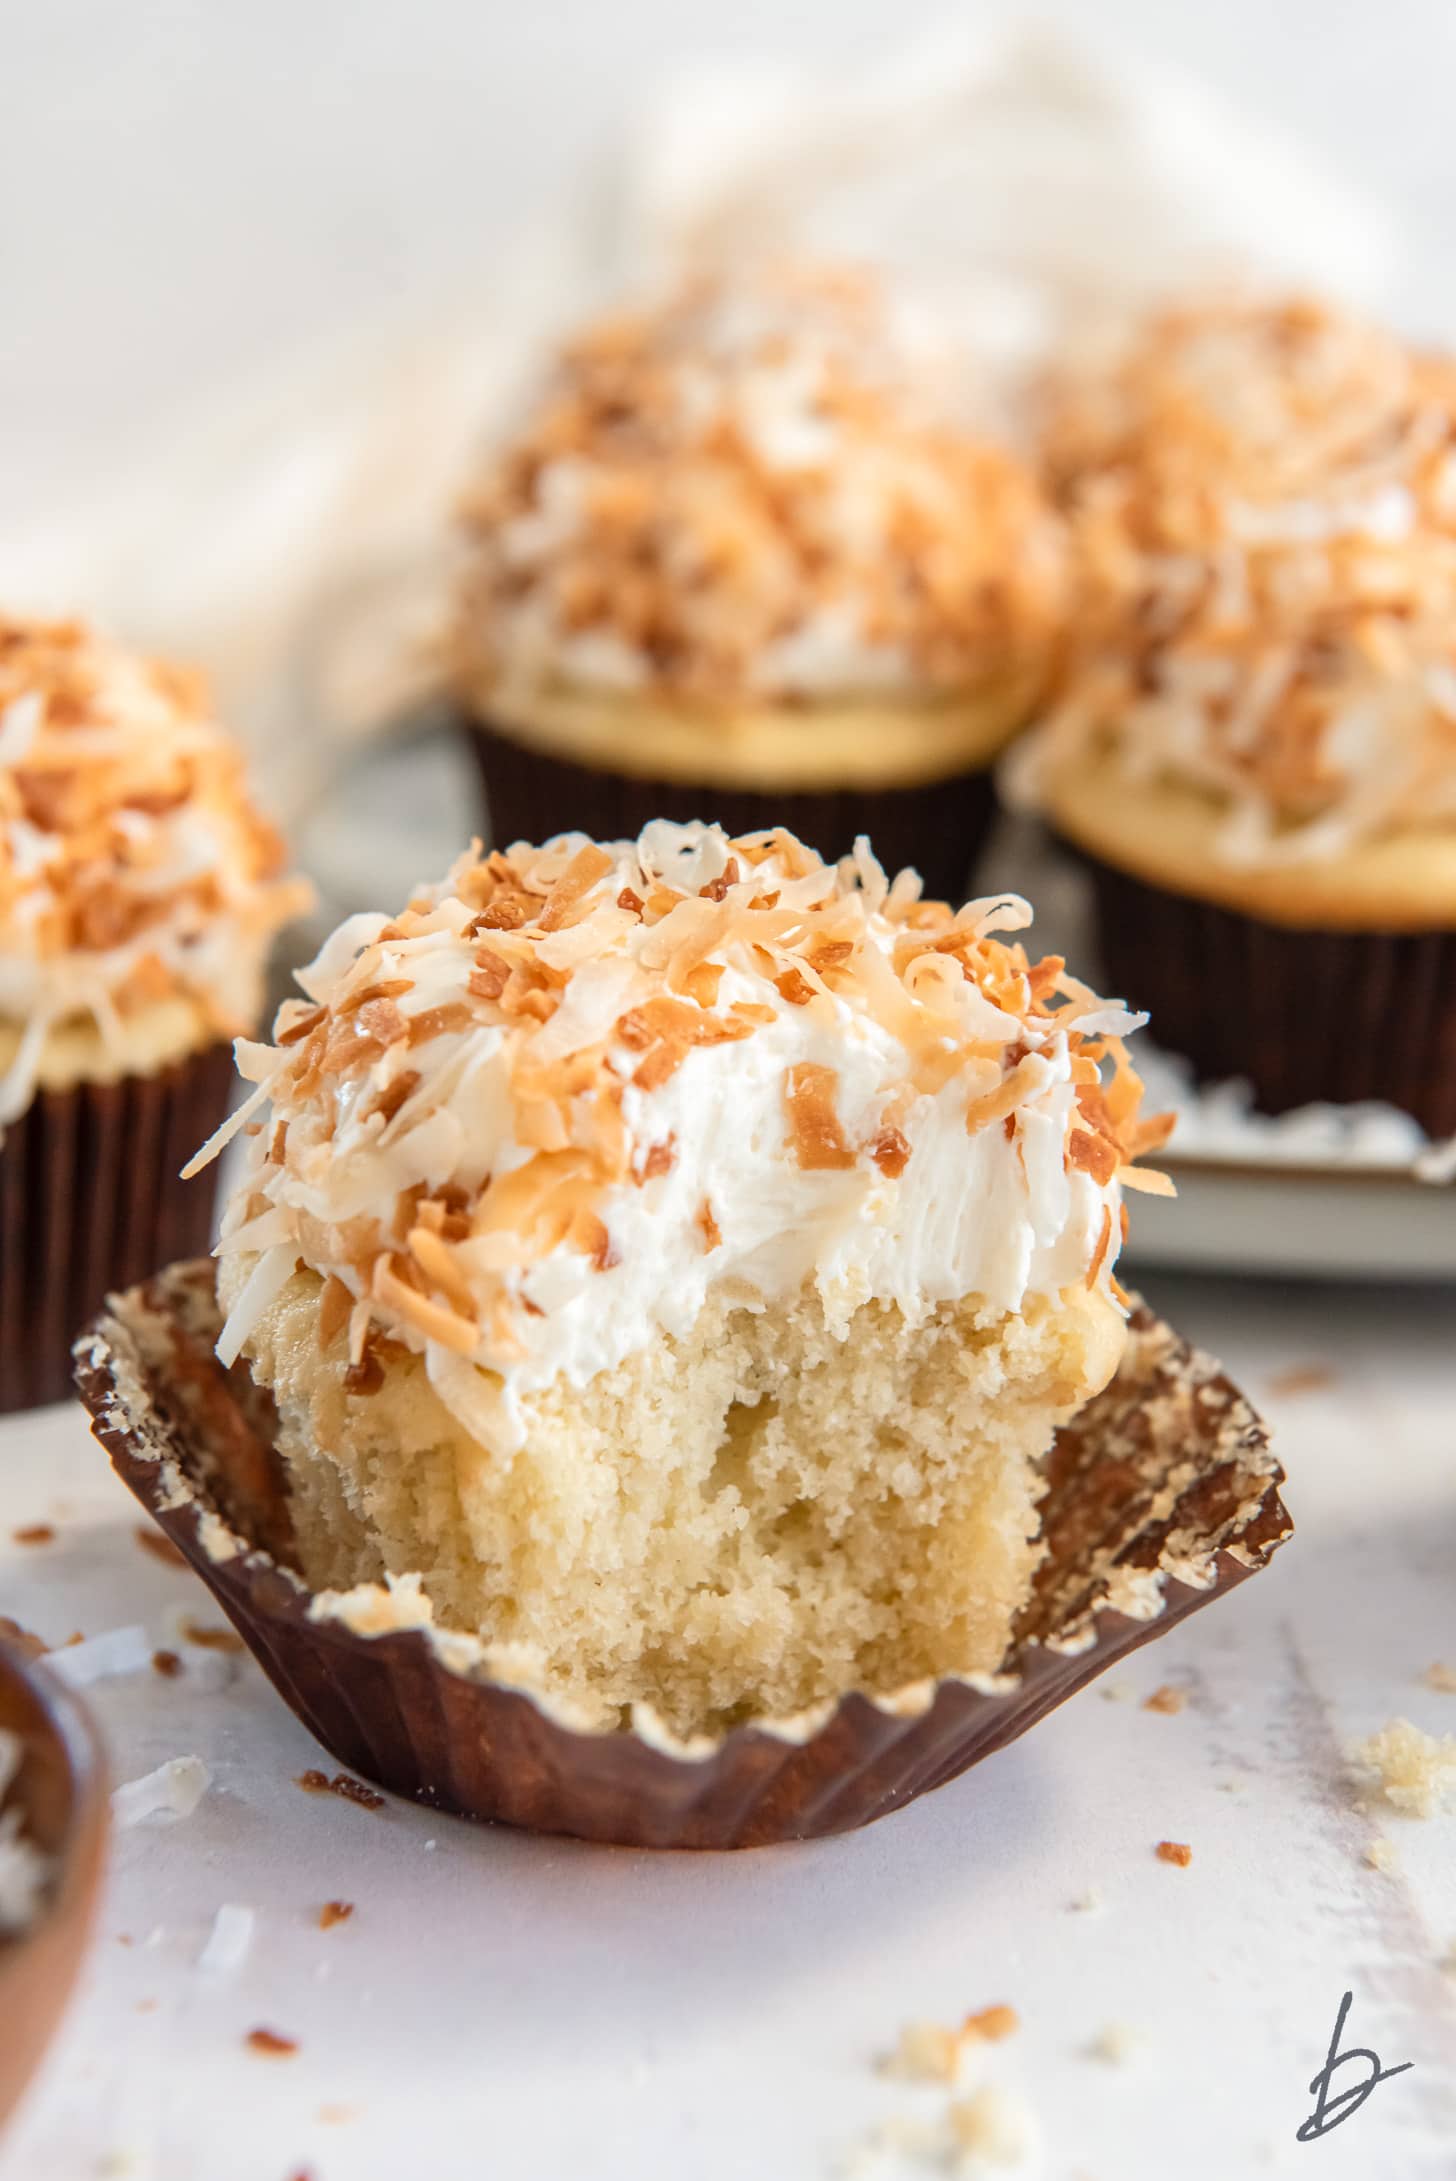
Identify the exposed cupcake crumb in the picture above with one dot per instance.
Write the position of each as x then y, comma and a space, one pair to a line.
1413, 1770
1174, 1851
1441, 1678
1166, 1699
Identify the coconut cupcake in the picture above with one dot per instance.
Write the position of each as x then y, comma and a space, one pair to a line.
139, 892
746, 560
1257, 748
670, 1263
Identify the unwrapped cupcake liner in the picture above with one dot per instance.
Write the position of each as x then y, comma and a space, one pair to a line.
90, 1200
939, 827
1161, 1495
1306, 1015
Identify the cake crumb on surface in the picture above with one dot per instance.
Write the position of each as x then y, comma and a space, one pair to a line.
1380, 1855
272, 2043
994, 2124
167, 1664
1115, 2043
34, 1533
927, 2052
932, 2052
211, 1639
1174, 1851
1301, 1378
1168, 1698
991, 2024
159, 1545
334, 1912
1091, 1902
1441, 1677
343, 1784
1116, 1692
1414, 1771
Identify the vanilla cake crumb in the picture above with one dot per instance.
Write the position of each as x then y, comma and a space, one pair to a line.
1380, 1855
1116, 2044
1441, 1677
932, 2052
994, 2125
1413, 1770
1089, 1903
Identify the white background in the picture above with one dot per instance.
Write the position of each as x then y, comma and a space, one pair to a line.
191, 189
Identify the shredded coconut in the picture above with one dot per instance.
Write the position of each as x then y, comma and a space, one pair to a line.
229, 1941
100, 1658
727, 494
172, 1792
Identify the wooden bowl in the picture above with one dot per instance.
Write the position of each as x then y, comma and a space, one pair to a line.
62, 1788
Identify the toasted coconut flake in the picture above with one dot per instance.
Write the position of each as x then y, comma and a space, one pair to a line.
810, 1093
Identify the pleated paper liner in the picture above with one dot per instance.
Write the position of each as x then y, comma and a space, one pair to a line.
940, 828
90, 1200
1305, 1015
61, 1788
1161, 1496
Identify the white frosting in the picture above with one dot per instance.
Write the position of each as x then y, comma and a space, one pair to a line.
976, 1209
132, 866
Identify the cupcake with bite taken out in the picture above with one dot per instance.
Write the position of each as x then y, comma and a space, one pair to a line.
747, 560
1256, 749
668, 1264
139, 895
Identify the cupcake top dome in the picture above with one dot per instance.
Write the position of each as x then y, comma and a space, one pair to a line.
760, 488
135, 875
1263, 501
532, 1121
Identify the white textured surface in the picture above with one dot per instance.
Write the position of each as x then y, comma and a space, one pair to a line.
533, 2008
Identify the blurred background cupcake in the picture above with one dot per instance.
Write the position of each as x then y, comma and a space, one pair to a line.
139, 894
747, 559
1256, 748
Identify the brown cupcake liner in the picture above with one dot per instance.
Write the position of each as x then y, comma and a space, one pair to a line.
1161, 1496
939, 827
61, 1786
1305, 1015
90, 1200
